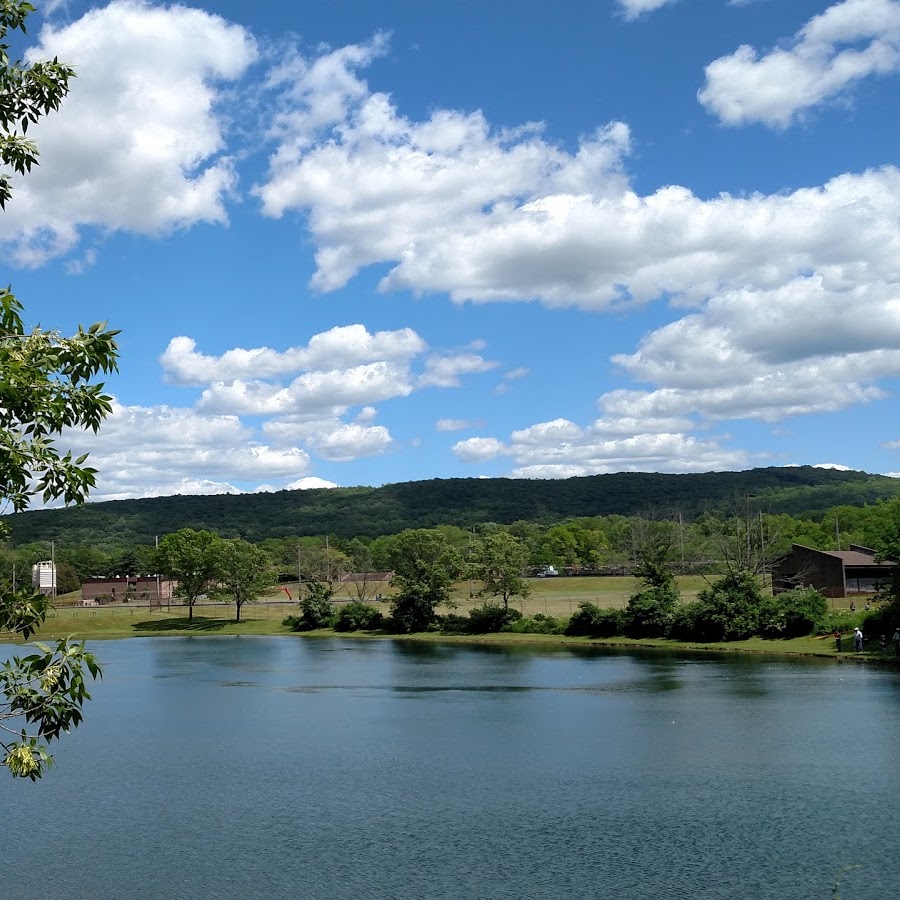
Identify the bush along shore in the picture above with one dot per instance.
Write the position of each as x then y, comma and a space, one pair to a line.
732, 613
590, 624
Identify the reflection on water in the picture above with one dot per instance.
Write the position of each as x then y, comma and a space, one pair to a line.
282, 767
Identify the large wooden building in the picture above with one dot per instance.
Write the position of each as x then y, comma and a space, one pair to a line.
834, 573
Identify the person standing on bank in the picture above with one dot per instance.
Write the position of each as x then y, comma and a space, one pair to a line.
857, 639
837, 640
896, 640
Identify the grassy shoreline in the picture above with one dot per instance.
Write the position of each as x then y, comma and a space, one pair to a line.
122, 622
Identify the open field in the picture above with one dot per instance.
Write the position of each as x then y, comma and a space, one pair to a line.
551, 596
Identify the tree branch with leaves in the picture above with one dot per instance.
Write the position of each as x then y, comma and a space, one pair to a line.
47, 385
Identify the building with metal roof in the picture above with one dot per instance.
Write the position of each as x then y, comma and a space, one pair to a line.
834, 573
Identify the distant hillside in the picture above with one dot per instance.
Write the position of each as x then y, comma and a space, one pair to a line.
367, 511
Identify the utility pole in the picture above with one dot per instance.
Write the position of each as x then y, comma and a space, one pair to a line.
158, 597
837, 532
471, 550
762, 549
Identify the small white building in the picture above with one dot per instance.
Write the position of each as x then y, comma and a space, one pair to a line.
43, 577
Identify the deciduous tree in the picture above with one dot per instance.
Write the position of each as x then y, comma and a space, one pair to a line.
651, 608
243, 572
425, 566
191, 558
498, 561
46, 385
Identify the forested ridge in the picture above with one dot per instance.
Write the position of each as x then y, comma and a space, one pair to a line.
375, 511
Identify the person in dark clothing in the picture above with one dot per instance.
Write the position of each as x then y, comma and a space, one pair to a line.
837, 640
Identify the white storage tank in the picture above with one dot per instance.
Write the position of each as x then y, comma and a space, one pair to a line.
43, 577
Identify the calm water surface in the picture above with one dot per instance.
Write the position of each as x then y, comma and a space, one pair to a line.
331, 769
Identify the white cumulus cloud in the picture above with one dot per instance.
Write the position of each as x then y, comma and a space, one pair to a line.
139, 143
562, 449
633, 9
319, 396
850, 41
455, 206
447, 371
453, 424
339, 347
154, 451
351, 441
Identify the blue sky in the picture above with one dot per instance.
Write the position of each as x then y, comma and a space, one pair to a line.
357, 242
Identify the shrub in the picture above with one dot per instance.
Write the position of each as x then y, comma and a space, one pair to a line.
802, 610
839, 621
411, 612
729, 609
791, 614
684, 623
536, 624
490, 618
881, 620
771, 618
357, 616
591, 621
650, 612
454, 624
315, 612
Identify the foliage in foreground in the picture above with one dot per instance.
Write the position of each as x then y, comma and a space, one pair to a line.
46, 690
46, 386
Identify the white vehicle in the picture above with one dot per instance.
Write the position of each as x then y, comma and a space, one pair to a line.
547, 572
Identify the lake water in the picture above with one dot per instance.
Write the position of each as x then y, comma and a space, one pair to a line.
329, 769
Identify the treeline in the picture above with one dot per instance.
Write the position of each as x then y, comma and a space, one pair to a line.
368, 513
745, 537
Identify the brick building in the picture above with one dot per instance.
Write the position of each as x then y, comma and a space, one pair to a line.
139, 589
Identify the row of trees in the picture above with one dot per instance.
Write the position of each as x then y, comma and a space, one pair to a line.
748, 538
425, 566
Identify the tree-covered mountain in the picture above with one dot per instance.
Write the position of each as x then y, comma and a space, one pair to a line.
370, 511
